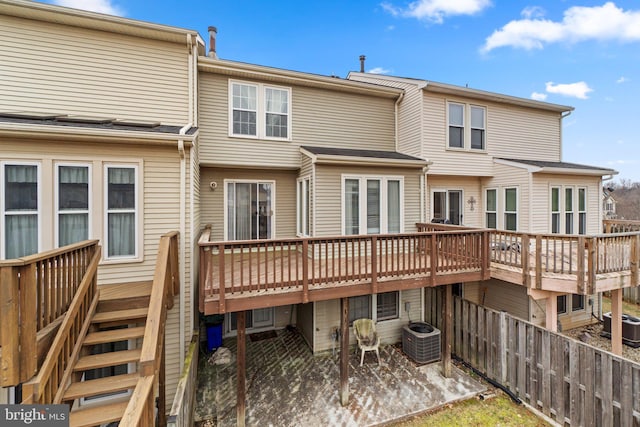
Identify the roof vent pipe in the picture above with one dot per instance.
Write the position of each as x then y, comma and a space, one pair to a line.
362, 58
213, 31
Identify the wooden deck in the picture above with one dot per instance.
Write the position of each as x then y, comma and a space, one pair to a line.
279, 272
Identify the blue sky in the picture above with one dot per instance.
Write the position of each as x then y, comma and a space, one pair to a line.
580, 53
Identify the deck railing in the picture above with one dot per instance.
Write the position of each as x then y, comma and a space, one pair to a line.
47, 385
308, 264
166, 284
620, 226
36, 292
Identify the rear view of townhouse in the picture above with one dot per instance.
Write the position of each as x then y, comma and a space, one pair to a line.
146, 183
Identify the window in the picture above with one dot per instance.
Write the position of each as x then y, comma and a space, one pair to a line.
555, 210
447, 206
466, 123
477, 128
562, 304
566, 305
304, 206
511, 209
249, 213
387, 305
359, 308
259, 111
582, 211
20, 209
491, 208
577, 302
72, 203
456, 125
372, 205
122, 211
568, 210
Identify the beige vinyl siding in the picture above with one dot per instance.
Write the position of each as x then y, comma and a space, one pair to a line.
328, 197
542, 184
390, 331
470, 187
499, 295
160, 187
509, 177
319, 117
212, 203
49, 68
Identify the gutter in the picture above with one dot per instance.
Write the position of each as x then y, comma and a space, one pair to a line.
183, 228
396, 118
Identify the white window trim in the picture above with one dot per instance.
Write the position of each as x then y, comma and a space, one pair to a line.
495, 212
384, 220
301, 197
559, 212
139, 234
261, 113
466, 118
575, 189
3, 213
585, 211
504, 207
569, 305
250, 181
447, 190
56, 201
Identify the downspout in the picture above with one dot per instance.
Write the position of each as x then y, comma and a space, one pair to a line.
530, 229
395, 112
567, 114
183, 226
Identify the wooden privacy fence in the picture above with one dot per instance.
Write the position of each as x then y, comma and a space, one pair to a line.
233, 268
569, 381
181, 413
35, 293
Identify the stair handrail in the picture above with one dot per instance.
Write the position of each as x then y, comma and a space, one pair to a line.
166, 284
48, 385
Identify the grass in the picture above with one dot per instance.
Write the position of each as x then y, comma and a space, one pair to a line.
627, 307
498, 411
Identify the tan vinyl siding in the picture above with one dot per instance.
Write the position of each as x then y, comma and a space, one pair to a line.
390, 331
508, 177
212, 203
318, 118
49, 68
160, 212
470, 187
328, 186
541, 199
499, 295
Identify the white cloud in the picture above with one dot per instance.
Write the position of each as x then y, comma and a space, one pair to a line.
532, 12
379, 70
606, 22
436, 10
622, 79
101, 6
539, 96
576, 90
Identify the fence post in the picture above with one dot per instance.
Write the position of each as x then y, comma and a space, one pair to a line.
592, 264
10, 339
580, 267
525, 253
635, 253
538, 262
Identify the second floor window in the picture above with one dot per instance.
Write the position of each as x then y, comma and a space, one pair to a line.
492, 208
259, 111
456, 125
466, 126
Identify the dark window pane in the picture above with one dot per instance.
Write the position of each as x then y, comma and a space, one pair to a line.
387, 305
562, 304
491, 220
21, 188
477, 139
456, 137
359, 308
577, 302
121, 188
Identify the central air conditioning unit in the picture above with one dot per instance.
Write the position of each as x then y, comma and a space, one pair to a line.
421, 342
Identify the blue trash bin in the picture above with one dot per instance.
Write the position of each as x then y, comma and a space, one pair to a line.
214, 337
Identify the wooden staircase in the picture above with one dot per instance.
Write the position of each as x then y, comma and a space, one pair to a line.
120, 316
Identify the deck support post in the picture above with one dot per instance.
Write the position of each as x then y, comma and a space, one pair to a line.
242, 374
447, 329
616, 322
551, 309
344, 351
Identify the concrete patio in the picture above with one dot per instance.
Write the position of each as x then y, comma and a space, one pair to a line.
288, 386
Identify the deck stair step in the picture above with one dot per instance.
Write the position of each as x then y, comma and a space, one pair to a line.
97, 415
103, 360
134, 315
124, 296
114, 335
104, 385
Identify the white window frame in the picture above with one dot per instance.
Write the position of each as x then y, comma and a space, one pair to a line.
558, 212
3, 213
447, 207
582, 212
373, 307
384, 206
569, 226
466, 129
568, 303
88, 211
505, 212
137, 213
261, 110
486, 208
303, 206
483, 128
250, 181
562, 212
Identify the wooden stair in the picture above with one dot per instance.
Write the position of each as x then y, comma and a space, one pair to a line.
122, 311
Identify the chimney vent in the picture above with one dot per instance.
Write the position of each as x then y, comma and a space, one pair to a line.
362, 58
213, 31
